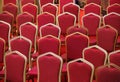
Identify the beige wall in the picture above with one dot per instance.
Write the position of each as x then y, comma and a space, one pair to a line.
0, 6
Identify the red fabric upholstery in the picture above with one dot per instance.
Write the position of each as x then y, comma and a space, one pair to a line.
46, 72
114, 1
77, 28
108, 74
9, 1
72, 8
79, 71
92, 8
107, 43
50, 29
15, 67
75, 43
23, 2
94, 1
32, 9
114, 8
62, 3
12, 8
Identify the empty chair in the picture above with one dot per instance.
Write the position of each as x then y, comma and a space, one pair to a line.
29, 30
108, 73
32, 9
15, 67
107, 37
50, 29
114, 1
113, 8
23, 2
10, 1
94, 1
92, 8
74, 9
80, 70
92, 22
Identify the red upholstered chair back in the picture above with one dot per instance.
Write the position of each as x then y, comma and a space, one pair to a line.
75, 43
92, 22
77, 28
45, 18
80, 70
92, 8
50, 29
10, 1
113, 8
74, 9
114, 1
23, 2
49, 43
23, 45
12, 8
112, 19
62, 3
94, 1
65, 20
114, 57
108, 73
5, 30
49, 67
30, 8
95, 55
29, 30
107, 37
50, 8
15, 67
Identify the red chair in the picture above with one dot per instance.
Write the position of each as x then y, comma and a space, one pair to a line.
113, 8
46, 72
48, 43
94, 1
109, 73
74, 9
80, 70
114, 1
77, 28
5, 30
103, 39
11, 8
95, 55
62, 3
29, 30
114, 57
113, 20
50, 29
23, 45
45, 18
92, 22
23, 18
10, 1
50, 8
92, 8
15, 67
32, 9
23, 2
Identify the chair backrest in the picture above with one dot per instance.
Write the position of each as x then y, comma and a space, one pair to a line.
114, 1
50, 8
92, 8
23, 2
103, 39
114, 57
74, 9
80, 70
50, 29
92, 22
49, 67
10, 1
77, 28
49, 43
45, 18
108, 73
95, 55
32, 9
113, 8
75, 43
12, 8
5, 30
63, 2
65, 20
112, 19
15, 67
94, 1
29, 30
